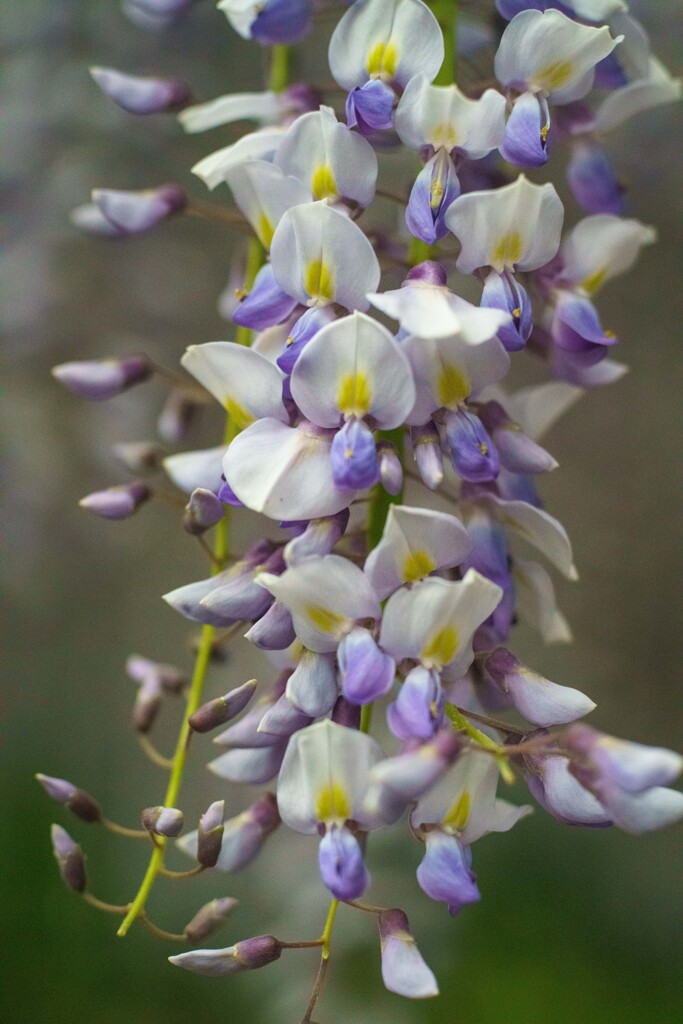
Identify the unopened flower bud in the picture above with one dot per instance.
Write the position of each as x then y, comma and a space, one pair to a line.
427, 449
70, 859
244, 956
170, 678
162, 821
133, 213
74, 799
390, 468
209, 919
117, 502
222, 709
202, 511
274, 631
99, 379
210, 834
142, 95
88, 217
147, 704
139, 457
176, 417
403, 969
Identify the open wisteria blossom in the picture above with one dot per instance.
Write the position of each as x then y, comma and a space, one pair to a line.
396, 473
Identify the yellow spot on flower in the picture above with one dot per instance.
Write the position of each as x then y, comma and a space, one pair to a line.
483, 448
444, 135
265, 231
594, 281
554, 76
516, 313
457, 816
440, 650
332, 803
323, 184
417, 565
435, 194
319, 282
355, 395
452, 386
325, 620
240, 416
544, 132
508, 251
382, 60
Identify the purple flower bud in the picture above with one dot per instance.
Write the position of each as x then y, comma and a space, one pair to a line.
117, 502
147, 705
366, 671
202, 511
284, 718
274, 631
435, 188
142, 95
427, 448
390, 468
89, 218
354, 456
398, 781
345, 713
503, 291
209, 919
370, 108
444, 873
633, 766
403, 969
176, 417
576, 329
418, 709
69, 858
222, 709
142, 670
592, 181
473, 453
340, 859
318, 538
427, 272
518, 453
312, 686
560, 794
210, 834
527, 132
303, 331
162, 821
133, 213
536, 698
139, 457
75, 800
99, 379
243, 835
265, 305
281, 22
244, 956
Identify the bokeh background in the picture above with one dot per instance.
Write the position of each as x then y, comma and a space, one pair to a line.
573, 925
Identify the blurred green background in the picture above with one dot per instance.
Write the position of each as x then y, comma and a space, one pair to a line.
573, 925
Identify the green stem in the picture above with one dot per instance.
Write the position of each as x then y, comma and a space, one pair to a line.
381, 500
446, 13
461, 723
418, 251
279, 68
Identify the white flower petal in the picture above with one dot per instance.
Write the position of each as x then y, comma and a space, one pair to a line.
537, 528
189, 470
236, 106
430, 311
601, 247
442, 116
537, 407
263, 192
537, 604
261, 145
246, 384
659, 87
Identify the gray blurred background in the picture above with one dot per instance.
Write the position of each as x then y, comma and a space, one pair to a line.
573, 925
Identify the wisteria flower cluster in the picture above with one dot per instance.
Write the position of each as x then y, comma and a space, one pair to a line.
364, 396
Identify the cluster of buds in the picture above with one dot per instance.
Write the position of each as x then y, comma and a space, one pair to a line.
366, 593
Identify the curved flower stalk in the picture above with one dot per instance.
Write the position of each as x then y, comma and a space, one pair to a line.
354, 371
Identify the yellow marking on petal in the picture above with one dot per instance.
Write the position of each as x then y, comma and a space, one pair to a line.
319, 282
594, 281
508, 251
483, 448
382, 60
440, 650
355, 395
417, 565
452, 386
323, 184
517, 313
332, 803
555, 75
240, 293
265, 231
458, 815
610, 334
444, 134
436, 191
325, 620
544, 132
240, 416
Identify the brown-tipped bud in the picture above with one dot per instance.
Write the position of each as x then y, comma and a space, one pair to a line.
248, 955
163, 821
100, 379
210, 918
117, 502
70, 859
176, 417
202, 511
147, 704
142, 670
74, 799
139, 457
210, 834
222, 709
